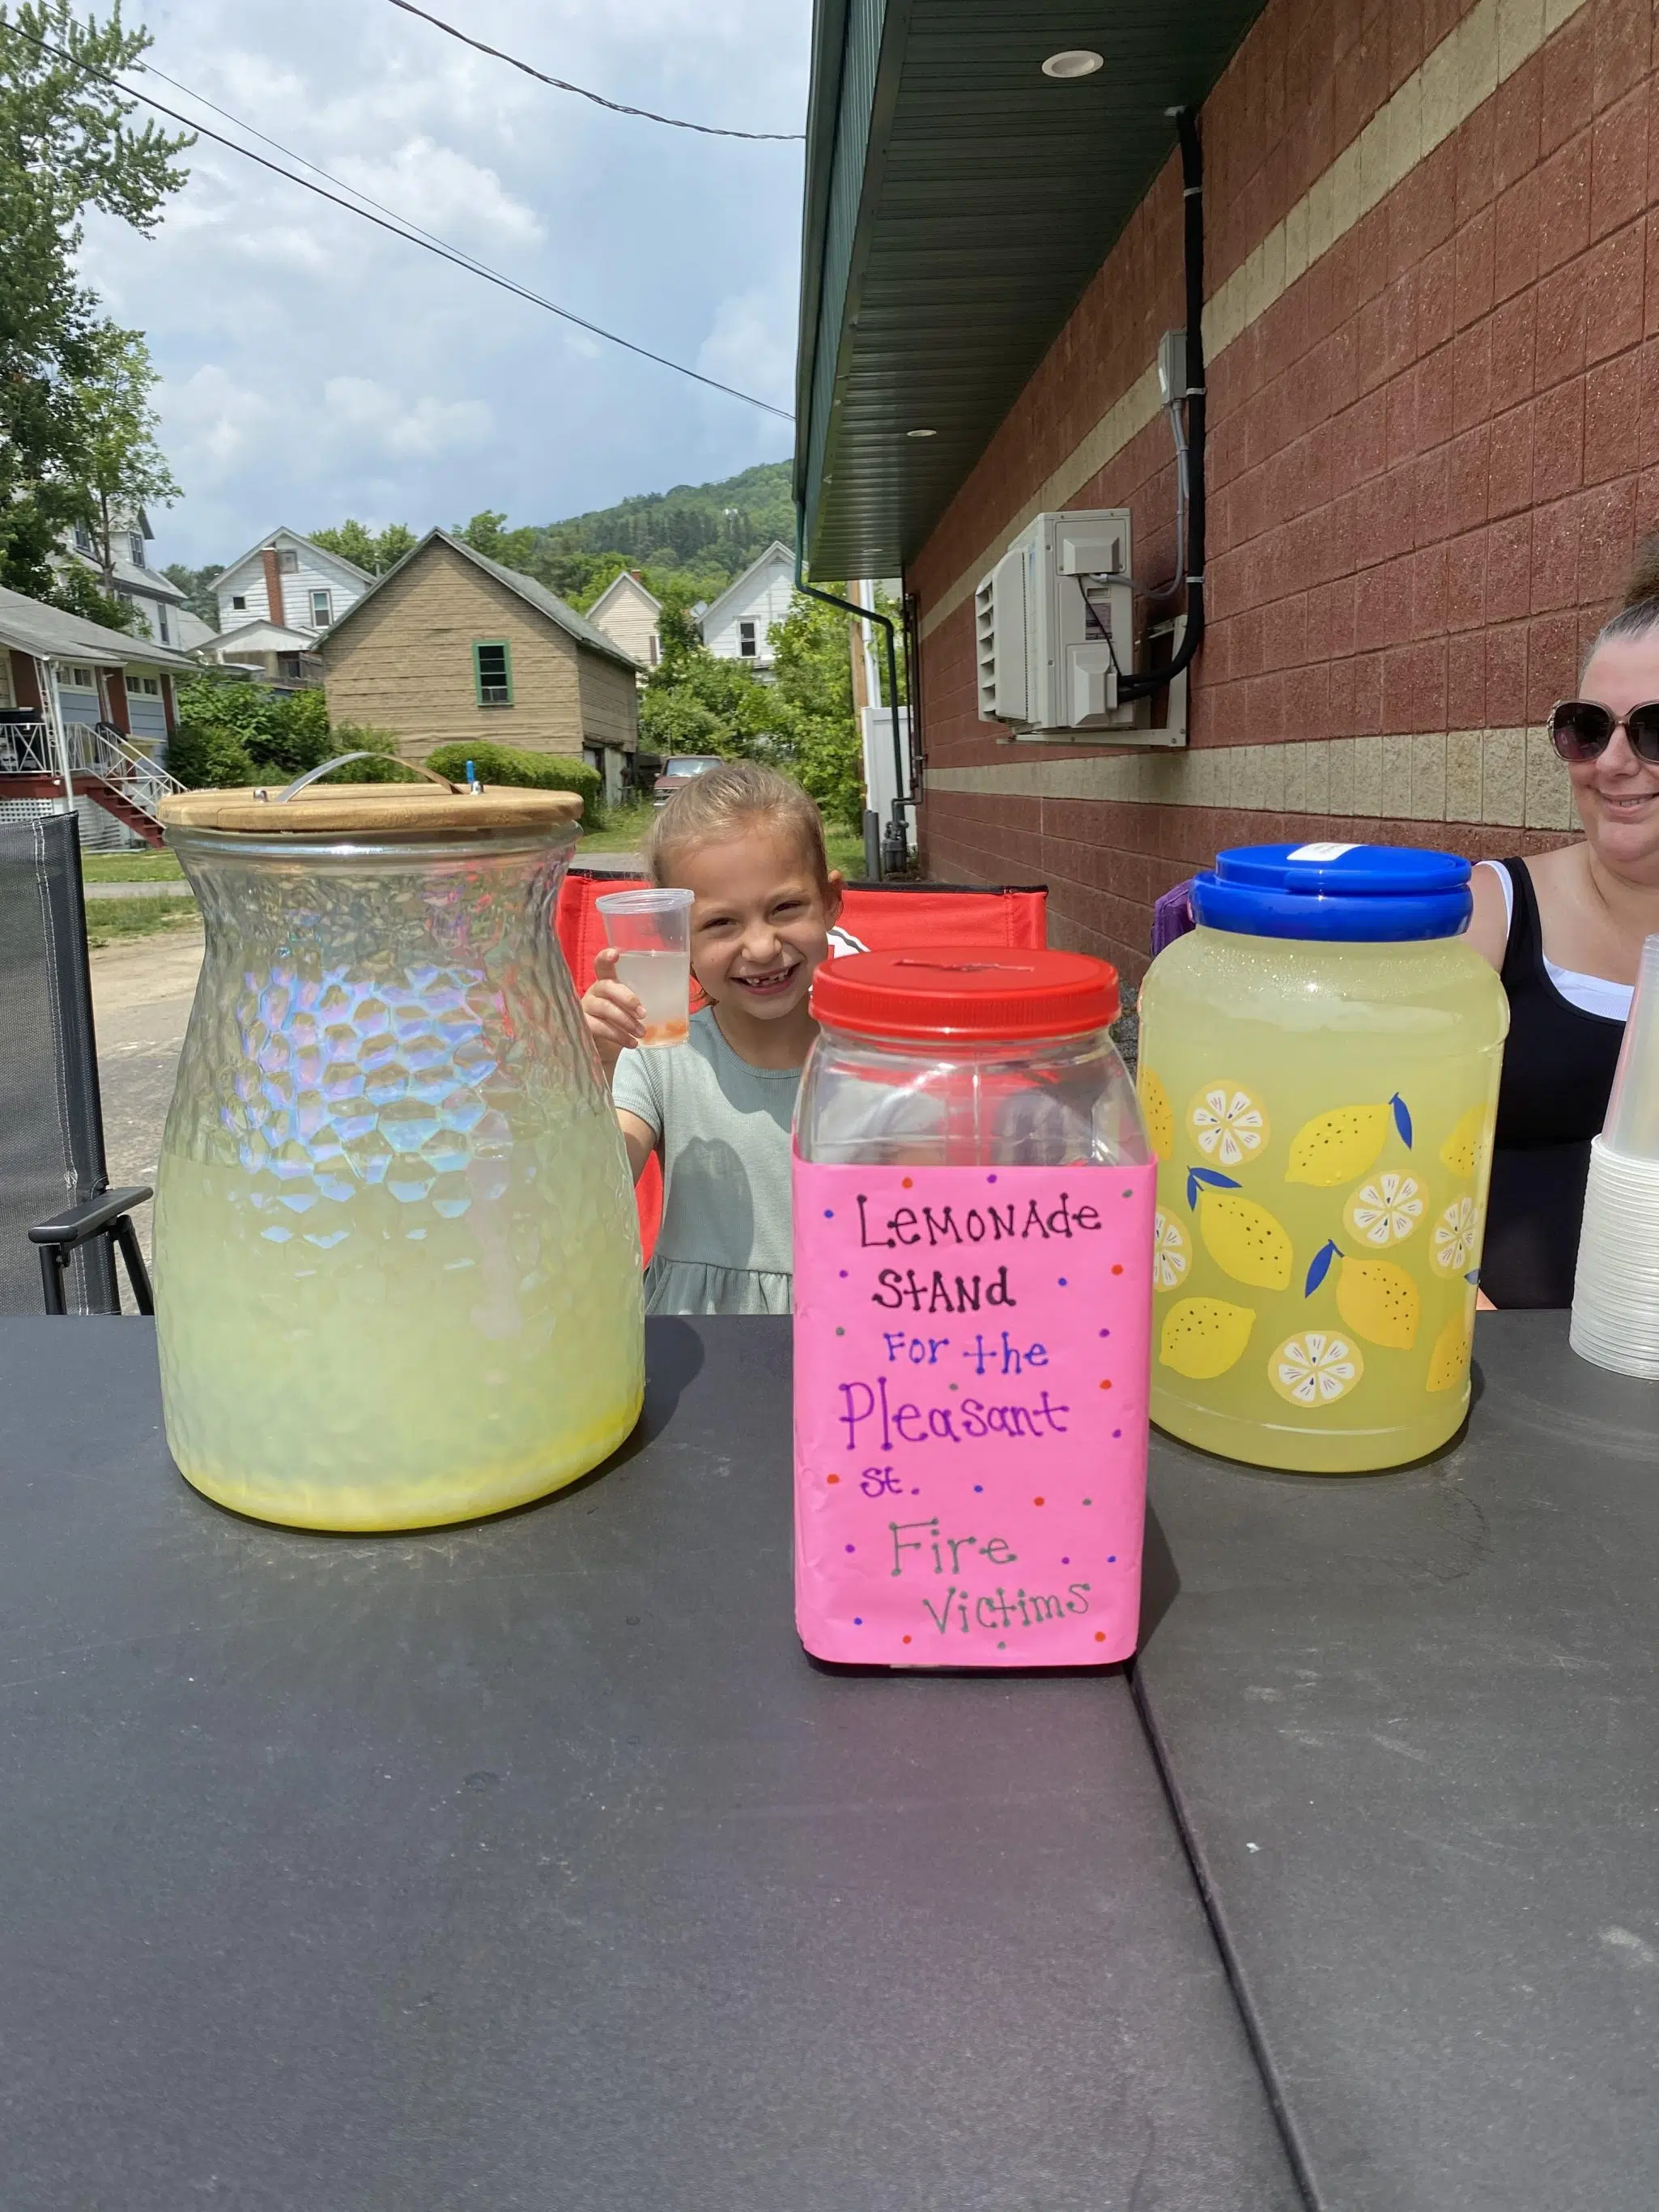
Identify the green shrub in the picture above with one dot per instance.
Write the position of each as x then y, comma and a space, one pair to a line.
531, 771
232, 733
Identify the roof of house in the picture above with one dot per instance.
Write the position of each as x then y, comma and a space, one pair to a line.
777, 550
193, 632
127, 575
616, 585
523, 587
262, 636
957, 201
298, 538
51, 633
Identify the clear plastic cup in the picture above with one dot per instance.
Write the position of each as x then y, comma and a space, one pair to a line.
652, 932
1631, 1127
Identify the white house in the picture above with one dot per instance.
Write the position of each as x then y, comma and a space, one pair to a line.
162, 614
277, 601
631, 617
735, 626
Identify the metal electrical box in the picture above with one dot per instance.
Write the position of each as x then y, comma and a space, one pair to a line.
1054, 626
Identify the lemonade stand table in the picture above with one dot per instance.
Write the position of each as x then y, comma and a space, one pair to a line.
1411, 1723
530, 1866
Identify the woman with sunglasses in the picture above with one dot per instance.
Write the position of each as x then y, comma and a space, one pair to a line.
1565, 931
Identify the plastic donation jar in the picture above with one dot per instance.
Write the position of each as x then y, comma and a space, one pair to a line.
973, 1205
398, 1268
1319, 1066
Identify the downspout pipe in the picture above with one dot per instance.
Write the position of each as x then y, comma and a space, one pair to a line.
1192, 186
866, 614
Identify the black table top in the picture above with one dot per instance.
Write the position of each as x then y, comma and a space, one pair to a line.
530, 1865
1411, 1725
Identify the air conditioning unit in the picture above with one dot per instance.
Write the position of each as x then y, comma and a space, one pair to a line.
1054, 626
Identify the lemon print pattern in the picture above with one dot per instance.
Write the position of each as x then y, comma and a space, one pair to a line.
1338, 1146
1202, 1338
1456, 1237
1378, 1299
1171, 1252
1159, 1114
1242, 1237
1449, 1362
1316, 1369
1228, 1123
1384, 1211
1466, 1148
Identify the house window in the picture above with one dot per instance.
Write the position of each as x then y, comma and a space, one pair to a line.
239, 601
653, 647
81, 679
161, 623
492, 671
287, 561
137, 545
322, 609
143, 687
748, 649
82, 539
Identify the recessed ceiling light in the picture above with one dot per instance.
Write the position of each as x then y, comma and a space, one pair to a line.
921, 433
1075, 61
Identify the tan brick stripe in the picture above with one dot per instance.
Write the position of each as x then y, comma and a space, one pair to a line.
1486, 48
1499, 776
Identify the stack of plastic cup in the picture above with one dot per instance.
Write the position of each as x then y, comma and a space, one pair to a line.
1615, 1298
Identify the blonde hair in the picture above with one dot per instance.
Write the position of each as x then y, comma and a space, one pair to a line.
724, 801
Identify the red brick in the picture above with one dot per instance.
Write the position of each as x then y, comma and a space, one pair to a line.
1474, 249
1652, 322
1647, 412
1513, 339
1428, 571
1476, 146
1613, 293
1568, 70
1555, 556
1434, 398
1517, 117
1331, 614
1563, 202
1368, 694
1307, 701
1618, 163
1436, 296
1515, 238
1430, 500
1551, 663
1624, 36
1606, 540
1613, 400
1472, 376
1506, 676
1558, 464
1466, 582
1509, 471
1400, 399
1508, 568
1414, 687
1558, 349
1465, 683
1466, 478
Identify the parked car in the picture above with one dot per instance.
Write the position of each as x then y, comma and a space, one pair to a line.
679, 770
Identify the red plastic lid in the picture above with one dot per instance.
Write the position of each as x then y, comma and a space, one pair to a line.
975, 991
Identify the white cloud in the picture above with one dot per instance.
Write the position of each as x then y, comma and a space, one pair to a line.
314, 366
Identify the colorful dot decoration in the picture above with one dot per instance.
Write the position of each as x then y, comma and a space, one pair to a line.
852, 1547
1062, 1282
1039, 1501
829, 1215
1117, 1266
1100, 1636
832, 1478
906, 1639
1107, 1384
908, 1183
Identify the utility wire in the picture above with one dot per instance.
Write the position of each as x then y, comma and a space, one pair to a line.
398, 226
559, 84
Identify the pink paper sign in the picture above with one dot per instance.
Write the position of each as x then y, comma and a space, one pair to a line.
971, 1375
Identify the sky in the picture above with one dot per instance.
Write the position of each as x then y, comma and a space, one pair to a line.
314, 367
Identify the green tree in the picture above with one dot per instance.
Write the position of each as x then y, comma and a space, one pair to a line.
357, 543
124, 469
67, 144
812, 663
232, 733
196, 585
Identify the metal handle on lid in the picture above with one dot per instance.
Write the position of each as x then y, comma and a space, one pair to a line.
343, 760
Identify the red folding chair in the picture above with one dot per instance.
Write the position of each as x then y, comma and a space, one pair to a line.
887, 917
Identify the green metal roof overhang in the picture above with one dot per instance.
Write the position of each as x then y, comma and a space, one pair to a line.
957, 203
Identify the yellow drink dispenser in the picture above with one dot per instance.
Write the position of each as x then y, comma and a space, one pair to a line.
1319, 1066
397, 1259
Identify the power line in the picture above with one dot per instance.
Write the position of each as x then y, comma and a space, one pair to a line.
398, 226
559, 84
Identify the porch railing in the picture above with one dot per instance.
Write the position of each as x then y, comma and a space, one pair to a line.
94, 748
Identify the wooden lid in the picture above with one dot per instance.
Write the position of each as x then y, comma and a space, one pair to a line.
373, 809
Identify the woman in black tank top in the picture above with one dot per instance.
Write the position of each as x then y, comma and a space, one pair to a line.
1591, 905
1558, 1071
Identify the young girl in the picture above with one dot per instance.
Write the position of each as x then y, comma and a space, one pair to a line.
748, 845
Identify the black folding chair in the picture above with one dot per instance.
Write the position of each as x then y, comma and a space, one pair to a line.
54, 1188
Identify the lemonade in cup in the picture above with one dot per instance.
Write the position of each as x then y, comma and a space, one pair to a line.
651, 931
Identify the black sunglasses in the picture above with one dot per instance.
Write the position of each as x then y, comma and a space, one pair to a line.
1581, 730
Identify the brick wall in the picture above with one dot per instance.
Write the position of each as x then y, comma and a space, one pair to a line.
1432, 279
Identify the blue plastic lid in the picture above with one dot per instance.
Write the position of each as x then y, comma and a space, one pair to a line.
1348, 893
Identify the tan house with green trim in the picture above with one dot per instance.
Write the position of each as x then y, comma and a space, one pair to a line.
448, 646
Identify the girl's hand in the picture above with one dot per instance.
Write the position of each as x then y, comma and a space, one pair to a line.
615, 1018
